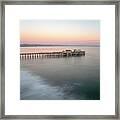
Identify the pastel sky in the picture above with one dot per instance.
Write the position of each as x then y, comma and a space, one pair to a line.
60, 32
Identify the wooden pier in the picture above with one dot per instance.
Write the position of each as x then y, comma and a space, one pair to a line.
66, 53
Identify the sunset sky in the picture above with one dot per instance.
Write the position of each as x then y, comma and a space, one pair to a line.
60, 32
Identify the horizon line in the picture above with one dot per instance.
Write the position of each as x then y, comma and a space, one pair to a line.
24, 45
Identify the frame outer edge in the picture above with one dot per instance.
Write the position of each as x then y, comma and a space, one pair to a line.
117, 25
2, 59
0, 64
118, 94
59, 2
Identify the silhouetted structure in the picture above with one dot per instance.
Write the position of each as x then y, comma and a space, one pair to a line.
65, 53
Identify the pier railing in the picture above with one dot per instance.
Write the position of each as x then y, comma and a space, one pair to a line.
66, 53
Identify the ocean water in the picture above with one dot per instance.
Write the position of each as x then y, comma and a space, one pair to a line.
69, 78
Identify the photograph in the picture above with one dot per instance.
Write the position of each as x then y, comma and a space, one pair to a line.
59, 59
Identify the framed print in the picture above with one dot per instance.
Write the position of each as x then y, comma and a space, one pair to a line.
60, 59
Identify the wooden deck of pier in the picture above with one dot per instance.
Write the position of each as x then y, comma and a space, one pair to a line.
66, 53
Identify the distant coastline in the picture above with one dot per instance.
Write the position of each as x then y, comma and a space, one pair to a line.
40, 45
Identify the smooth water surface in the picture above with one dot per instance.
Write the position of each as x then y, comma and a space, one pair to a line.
70, 78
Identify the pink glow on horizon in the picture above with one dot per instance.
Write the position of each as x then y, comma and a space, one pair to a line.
60, 32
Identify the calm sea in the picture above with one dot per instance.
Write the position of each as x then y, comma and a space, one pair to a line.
70, 78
